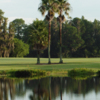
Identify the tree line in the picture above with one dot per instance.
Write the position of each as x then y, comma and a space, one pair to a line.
80, 38
77, 37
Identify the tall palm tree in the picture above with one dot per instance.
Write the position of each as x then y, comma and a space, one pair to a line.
38, 37
62, 7
48, 6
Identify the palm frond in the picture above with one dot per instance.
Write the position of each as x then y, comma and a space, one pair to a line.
42, 9
63, 6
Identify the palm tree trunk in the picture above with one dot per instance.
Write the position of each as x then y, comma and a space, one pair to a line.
60, 33
49, 38
38, 57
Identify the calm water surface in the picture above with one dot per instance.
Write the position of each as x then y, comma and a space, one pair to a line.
50, 88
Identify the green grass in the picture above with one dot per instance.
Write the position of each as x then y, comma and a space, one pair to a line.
30, 63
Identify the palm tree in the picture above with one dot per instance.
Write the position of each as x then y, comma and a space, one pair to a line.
38, 37
49, 6
62, 7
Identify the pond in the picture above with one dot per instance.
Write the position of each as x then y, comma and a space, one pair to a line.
50, 88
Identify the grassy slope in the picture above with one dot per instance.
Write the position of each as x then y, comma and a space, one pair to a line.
30, 63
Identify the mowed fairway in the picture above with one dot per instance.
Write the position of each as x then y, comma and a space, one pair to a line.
30, 63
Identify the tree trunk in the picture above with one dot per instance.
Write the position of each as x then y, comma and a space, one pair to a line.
60, 33
0, 53
49, 38
38, 56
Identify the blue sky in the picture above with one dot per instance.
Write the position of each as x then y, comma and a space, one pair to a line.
28, 9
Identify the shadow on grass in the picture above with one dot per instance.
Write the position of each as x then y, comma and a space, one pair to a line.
7, 64
51, 63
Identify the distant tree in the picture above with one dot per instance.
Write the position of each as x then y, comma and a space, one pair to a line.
38, 37
86, 30
19, 25
71, 40
96, 49
54, 38
88, 37
49, 6
63, 7
21, 49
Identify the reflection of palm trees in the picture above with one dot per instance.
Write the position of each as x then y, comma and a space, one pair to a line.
79, 87
6, 84
6, 91
20, 89
41, 93
12, 90
1, 93
32, 97
61, 88
50, 88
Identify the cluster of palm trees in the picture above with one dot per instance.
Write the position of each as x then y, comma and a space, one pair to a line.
52, 7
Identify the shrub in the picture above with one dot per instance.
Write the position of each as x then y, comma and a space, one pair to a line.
80, 72
21, 49
98, 73
26, 73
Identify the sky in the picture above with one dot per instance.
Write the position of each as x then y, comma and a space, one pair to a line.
28, 9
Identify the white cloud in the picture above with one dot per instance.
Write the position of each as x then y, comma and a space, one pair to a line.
27, 20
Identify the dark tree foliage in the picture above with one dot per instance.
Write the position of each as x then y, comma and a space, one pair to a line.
6, 37
80, 38
19, 26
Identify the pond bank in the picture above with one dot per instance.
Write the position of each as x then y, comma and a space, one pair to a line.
55, 73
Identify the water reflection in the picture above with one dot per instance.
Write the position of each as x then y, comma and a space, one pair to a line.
39, 93
50, 88
7, 88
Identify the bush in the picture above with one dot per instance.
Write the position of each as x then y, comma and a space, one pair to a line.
26, 73
20, 48
80, 72
98, 73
